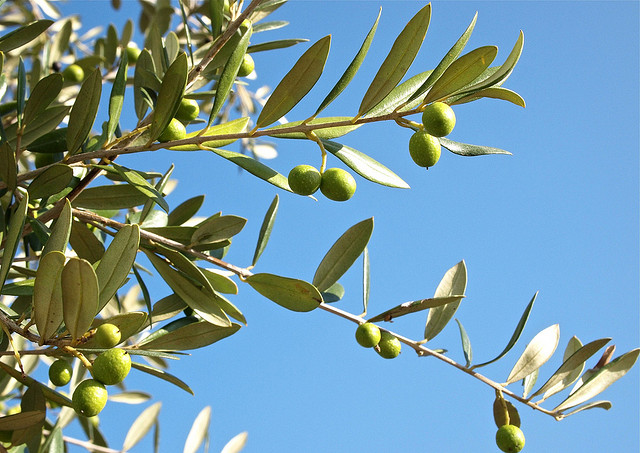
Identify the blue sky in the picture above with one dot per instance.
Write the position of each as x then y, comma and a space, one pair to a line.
560, 216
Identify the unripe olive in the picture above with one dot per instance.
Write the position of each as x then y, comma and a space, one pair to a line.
107, 335
73, 73
510, 439
337, 184
368, 335
60, 372
89, 398
304, 179
247, 66
188, 110
174, 131
389, 346
112, 366
438, 119
424, 149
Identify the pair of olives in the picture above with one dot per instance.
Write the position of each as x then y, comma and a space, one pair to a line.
438, 120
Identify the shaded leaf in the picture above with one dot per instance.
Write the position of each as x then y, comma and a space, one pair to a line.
296, 83
536, 354
12, 239
600, 380
138, 181
170, 95
114, 196
50, 394
293, 294
8, 168
194, 335
333, 294
606, 405
43, 123
466, 344
265, 229
218, 229
21, 420
365, 166
185, 210
85, 243
454, 283
199, 431
397, 63
51, 181
220, 282
505, 413
141, 426
414, 307
162, 375
47, 294
461, 72
114, 267
399, 96
342, 254
51, 142
255, 167
528, 382
130, 397
366, 281
492, 92
351, 70
23, 35
116, 100
277, 44
516, 334
79, 296
43, 93
144, 79
84, 111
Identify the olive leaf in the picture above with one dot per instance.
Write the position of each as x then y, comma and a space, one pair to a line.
8, 168
135, 179
43, 93
492, 92
218, 229
465, 149
161, 374
236, 444
296, 83
254, 167
116, 100
169, 96
185, 211
453, 284
231, 127
276, 44
84, 111
466, 344
47, 295
329, 132
397, 63
265, 229
114, 196
23, 35
194, 335
79, 296
366, 280
293, 294
199, 430
13, 236
538, 351
141, 426
51, 181
399, 96
85, 243
606, 405
342, 254
414, 307
60, 231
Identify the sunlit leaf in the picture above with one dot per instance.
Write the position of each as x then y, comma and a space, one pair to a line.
170, 95
366, 280
342, 254
133, 397
116, 100
397, 63
230, 127
199, 431
162, 375
492, 92
528, 382
236, 444
185, 210
114, 196
51, 181
399, 96
277, 44
23, 35
141, 426
296, 83
323, 133
135, 179
606, 405
84, 111
194, 335
466, 344
505, 413
79, 296
600, 380
218, 229
536, 354
265, 229
414, 307
254, 167
454, 283
47, 294
293, 294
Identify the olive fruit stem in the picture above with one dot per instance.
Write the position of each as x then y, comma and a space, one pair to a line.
80, 356
311, 135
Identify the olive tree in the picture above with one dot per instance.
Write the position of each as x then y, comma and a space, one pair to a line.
80, 231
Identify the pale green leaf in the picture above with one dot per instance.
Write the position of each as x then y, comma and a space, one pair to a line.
254, 167
23, 35
536, 354
454, 283
236, 444
60, 231
414, 307
320, 132
606, 405
194, 335
47, 294
43, 93
161, 374
466, 344
13, 237
293, 294
199, 431
135, 179
465, 149
170, 95
85, 243
229, 128
218, 229
116, 100
114, 196
79, 296
141, 426
185, 211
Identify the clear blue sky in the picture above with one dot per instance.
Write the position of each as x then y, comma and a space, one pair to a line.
560, 216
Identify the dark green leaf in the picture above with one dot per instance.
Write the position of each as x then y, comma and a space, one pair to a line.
162, 375
399, 96
192, 336
21, 91
23, 35
115, 196
454, 283
116, 100
293, 294
218, 229
342, 254
135, 179
51, 142
185, 211
465, 149
365, 166
296, 84
79, 296
47, 294
170, 95
43, 93
84, 111
51, 181
21, 420
272, 45
8, 168
351, 70
144, 79
265, 229
333, 294
397, 63
43, 123
254, 167
414, 306
492, 92
13, 237
516, 333
466, 344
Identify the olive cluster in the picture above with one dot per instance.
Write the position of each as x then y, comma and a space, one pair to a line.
438, 120
335, 183
368, 335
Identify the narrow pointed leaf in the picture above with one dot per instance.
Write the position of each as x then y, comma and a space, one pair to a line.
446, 61
196, 335
536, 354
23, 35
138, 181
397, 63
21, 420
220, 281
185, 211
170, 95
277, 44
162, 375
454, 283
606, 405
461, 72
47, 294
351, 70
79, 296
265, 229
342, 254
51, 181
414, 307
293, 294
43, 93
218, 229
141, 426
117, 261
21, 91
199, 431
365, 166
466, 344
516, 334
600, 380
236, 444
528, 382
296, 83
399, 96
334, 293
465, 149
45, 122
494, 93
228, 76
144, 78
12, 239
565, 374
254, 167
231, 127
8, 168
60, 231
114, 196
366, 280
116, 100
84, 111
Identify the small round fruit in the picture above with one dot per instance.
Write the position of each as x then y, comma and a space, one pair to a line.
133, 53
337, 184
304, 179
368, 335
89, 398
174, 131
424, 149
247, 66
389, 346
438, 119
107, 335
112, 366
510, 439
60, 372
56, 66
73, 73
188, 110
